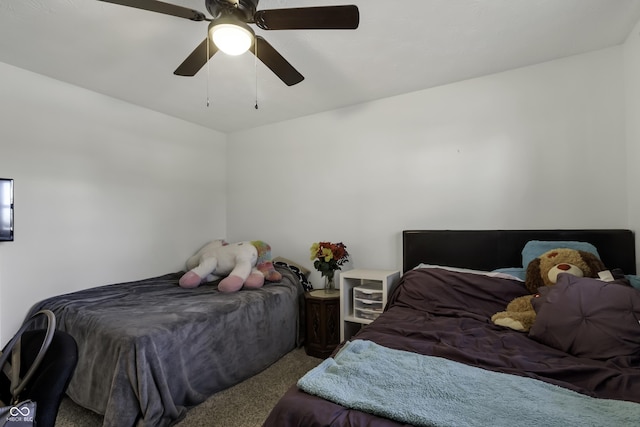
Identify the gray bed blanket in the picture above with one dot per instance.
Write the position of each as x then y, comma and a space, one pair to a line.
432, 391
149, 349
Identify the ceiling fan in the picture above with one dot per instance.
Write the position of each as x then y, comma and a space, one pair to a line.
229, 25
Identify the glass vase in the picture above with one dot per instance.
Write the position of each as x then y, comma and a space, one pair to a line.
329, 285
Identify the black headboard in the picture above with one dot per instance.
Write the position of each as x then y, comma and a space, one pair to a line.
491, 249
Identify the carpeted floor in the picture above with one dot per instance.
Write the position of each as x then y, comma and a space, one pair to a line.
244, 405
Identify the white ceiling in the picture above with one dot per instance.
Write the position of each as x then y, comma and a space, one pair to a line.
400, 47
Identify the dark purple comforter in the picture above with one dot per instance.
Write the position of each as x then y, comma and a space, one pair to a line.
447, 314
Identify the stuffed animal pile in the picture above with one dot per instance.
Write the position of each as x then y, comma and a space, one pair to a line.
543, 271
245, 264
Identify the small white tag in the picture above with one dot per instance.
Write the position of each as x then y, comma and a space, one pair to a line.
606, 276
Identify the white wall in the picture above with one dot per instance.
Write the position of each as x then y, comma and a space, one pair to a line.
104, 191
632, 91
537, 147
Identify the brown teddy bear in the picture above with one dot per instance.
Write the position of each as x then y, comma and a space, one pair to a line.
543, 271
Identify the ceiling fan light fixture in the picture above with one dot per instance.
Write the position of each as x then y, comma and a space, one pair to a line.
232, 38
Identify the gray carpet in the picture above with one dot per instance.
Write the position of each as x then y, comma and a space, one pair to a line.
244, 405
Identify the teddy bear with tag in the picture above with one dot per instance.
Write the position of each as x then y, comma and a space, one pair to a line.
543, 271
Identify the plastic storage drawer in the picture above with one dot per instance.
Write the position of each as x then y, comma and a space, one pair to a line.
368, 293
362, 313
368, 304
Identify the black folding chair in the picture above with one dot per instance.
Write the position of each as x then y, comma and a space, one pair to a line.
38, 365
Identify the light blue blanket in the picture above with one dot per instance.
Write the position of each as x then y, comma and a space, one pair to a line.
432, 391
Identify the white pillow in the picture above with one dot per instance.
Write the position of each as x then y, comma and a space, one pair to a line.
470, 271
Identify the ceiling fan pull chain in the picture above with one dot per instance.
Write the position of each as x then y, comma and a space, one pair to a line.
208, 56
255, 66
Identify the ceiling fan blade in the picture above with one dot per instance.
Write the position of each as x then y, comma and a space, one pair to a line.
196, 60
161, 7
309, 18
276, 63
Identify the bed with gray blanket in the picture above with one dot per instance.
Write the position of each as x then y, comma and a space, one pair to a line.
434, 358
148, 350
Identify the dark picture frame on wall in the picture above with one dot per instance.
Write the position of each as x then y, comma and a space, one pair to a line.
6, 209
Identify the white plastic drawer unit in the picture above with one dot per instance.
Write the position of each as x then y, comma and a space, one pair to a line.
367, 301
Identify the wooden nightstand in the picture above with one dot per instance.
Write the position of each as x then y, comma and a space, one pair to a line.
323, 323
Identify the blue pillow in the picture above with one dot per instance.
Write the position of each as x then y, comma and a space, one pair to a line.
518, 272
635, 280
534, 248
